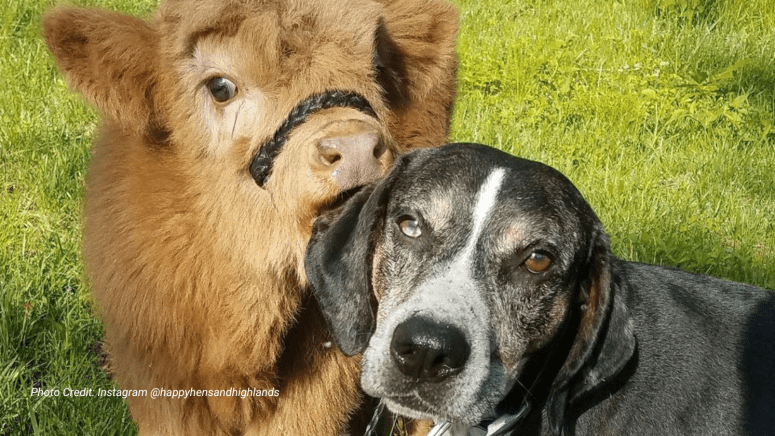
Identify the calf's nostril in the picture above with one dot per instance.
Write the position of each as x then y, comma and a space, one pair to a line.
379, 149
428, 351
329, 156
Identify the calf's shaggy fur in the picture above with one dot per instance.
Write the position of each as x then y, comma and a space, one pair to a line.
195, 261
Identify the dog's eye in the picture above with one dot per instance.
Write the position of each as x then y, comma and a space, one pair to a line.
538, 262
221, 88
410, 227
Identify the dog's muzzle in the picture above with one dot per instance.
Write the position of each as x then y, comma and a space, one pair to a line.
261, 165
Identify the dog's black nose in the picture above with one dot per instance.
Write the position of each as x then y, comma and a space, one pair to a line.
427, 350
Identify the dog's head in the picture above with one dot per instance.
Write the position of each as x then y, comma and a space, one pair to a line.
478, 261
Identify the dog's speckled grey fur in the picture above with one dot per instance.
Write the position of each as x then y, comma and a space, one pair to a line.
448, 295
604, 346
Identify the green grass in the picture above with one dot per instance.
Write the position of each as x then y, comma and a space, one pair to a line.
660, 111
48, 337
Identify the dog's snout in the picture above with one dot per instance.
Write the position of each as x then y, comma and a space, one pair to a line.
426, 350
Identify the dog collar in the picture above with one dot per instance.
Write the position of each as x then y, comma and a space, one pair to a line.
504, 425
261, 165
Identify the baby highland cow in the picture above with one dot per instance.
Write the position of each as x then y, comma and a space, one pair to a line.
227, 127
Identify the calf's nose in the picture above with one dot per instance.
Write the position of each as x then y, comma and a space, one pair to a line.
428, 351
354, 159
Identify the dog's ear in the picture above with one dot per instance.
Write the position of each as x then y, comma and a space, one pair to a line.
605, 341
110, 58
416, 67
338, 263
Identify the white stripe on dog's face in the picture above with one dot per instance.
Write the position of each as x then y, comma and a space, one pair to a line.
485, 200
449, 295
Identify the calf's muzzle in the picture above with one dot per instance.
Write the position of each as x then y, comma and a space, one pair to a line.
357, 153
352, 160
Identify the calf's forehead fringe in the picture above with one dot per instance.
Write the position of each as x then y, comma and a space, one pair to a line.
186, 21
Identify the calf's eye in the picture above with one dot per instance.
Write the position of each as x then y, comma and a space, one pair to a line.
538, 262
410, 227
221, 88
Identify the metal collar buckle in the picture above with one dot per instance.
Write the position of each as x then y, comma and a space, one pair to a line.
374, 419
501, 426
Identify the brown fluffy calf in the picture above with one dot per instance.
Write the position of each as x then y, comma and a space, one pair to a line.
193, 245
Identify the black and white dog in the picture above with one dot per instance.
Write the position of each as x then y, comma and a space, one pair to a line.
498, 297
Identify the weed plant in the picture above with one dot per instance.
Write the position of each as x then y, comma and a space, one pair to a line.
660, 111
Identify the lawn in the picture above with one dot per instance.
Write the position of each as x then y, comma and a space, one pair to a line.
660, 111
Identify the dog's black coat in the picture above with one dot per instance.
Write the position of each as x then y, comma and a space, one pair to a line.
640, 350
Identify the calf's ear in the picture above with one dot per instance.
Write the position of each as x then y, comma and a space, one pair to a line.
339, 260
110, 58
416, 63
